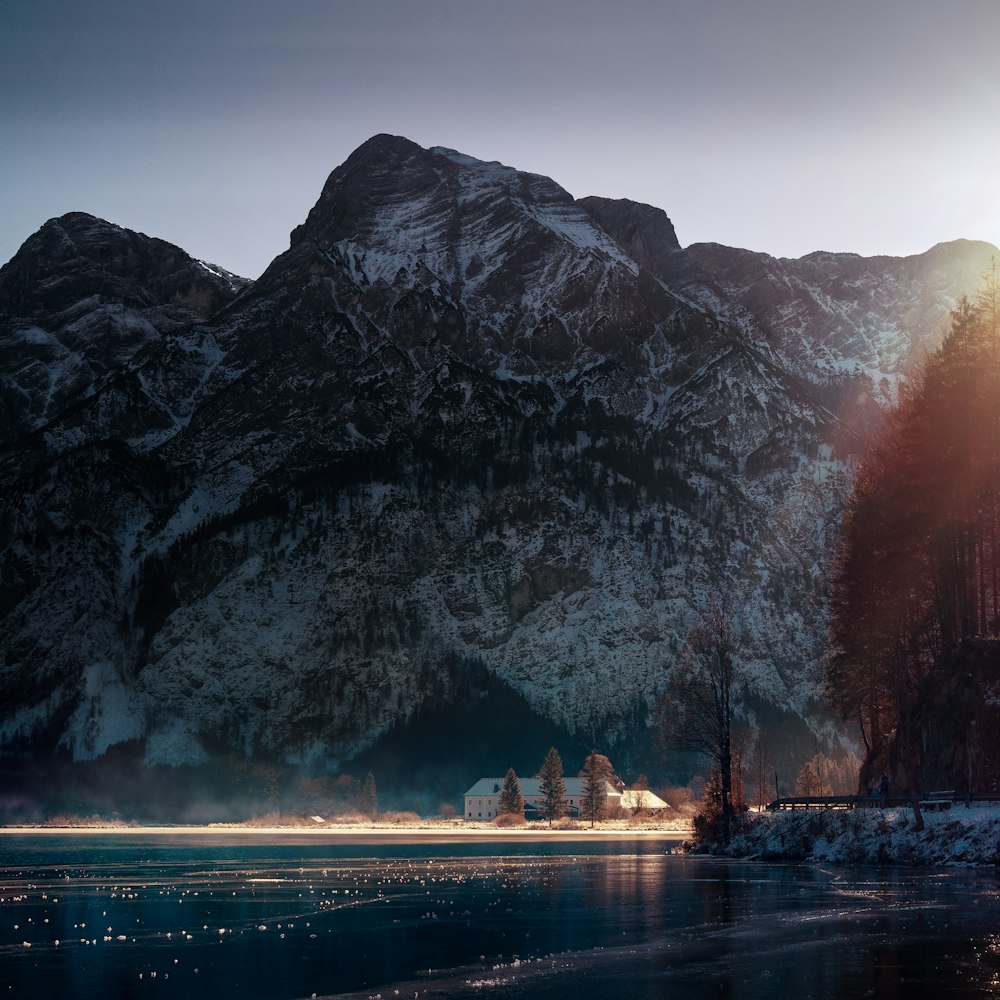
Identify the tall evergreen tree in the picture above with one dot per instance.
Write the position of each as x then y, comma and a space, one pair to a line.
552, 786
597, 773
369, 797
511, 798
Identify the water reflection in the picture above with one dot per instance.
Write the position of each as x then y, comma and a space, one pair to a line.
209, 918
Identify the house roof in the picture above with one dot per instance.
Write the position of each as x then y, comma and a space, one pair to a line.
642, 798
530, 787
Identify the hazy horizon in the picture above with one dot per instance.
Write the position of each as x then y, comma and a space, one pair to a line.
777, 126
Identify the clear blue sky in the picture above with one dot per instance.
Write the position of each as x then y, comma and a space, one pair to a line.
779, 125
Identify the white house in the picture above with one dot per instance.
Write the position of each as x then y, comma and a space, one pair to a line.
482, 800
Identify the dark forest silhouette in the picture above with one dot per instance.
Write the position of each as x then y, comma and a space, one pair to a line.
916, 595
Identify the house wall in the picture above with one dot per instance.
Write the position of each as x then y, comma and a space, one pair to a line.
481, 807
484, 807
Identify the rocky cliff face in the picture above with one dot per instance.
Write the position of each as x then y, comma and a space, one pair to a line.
83, 298
837, 316
466, 435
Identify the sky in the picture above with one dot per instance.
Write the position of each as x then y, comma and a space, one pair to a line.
783, 126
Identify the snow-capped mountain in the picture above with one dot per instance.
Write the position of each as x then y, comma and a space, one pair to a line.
466, 435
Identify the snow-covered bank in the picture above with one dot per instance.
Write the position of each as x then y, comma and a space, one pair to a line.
957, 836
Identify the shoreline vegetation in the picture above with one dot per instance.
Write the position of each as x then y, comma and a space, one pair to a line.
959, 836
395, 826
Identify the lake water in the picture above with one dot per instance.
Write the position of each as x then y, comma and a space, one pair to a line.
165, 917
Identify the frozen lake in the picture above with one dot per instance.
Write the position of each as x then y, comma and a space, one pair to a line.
135, 916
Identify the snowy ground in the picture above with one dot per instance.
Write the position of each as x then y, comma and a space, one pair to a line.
957, 836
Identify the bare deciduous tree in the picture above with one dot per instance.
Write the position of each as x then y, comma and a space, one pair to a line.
696, 711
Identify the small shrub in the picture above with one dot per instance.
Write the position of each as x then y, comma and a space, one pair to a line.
279, 819
402, 818
506, 820
565, 823
681, 801
350, 819
647, 819
709, 823
69, 820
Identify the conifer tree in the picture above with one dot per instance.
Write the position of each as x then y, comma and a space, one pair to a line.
597, 772
369, 797
511, 799
552, 786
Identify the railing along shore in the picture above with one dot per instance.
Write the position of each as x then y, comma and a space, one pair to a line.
928, 800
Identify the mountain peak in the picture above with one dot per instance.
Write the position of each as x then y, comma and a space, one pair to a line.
382, 144
67, 236
398, 208
388, 172
77, 255
380, 170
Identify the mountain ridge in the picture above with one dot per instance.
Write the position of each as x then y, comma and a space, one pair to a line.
456, 421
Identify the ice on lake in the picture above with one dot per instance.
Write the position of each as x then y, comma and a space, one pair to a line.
184, 917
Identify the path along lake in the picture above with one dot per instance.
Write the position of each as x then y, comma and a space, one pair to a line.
164, 916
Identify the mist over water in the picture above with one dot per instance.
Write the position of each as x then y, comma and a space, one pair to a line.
110, 915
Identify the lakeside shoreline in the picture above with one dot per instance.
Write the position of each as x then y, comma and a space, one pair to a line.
961, 836
368, 833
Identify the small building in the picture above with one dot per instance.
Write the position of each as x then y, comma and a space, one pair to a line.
482, 800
